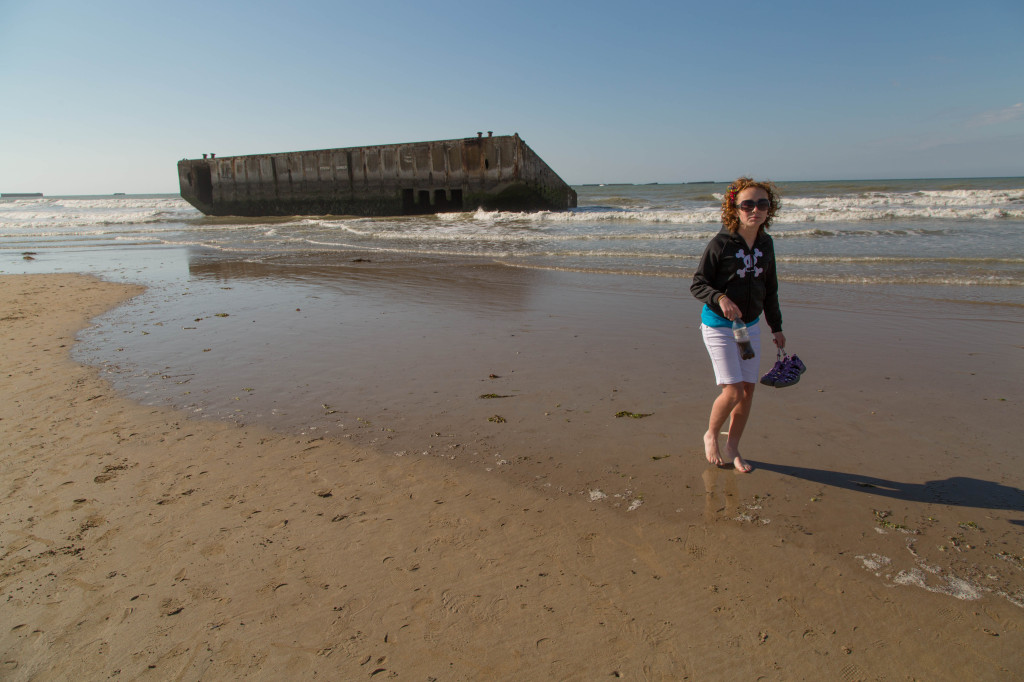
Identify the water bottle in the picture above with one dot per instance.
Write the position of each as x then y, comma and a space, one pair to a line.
742, 336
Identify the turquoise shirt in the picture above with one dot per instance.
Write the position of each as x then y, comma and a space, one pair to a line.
713, 319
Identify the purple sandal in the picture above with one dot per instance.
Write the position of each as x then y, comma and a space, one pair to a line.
786, 372
798, 363
788, 375
772, 375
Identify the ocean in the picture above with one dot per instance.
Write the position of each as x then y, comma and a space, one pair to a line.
956, 238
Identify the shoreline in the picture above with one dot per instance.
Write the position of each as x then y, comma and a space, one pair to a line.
522, 373
139, 540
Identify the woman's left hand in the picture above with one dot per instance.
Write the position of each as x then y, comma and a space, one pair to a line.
780, 339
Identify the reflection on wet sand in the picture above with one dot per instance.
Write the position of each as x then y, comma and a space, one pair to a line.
433, 282
720, 494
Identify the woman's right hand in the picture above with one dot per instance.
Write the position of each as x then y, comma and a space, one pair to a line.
730, 310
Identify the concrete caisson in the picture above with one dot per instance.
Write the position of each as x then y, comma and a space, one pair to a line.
492, 173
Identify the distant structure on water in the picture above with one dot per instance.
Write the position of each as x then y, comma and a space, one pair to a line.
493, 173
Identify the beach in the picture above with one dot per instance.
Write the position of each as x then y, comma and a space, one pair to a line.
468, 446
312, 370
465, 504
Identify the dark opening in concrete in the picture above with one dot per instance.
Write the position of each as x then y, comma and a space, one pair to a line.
204, 184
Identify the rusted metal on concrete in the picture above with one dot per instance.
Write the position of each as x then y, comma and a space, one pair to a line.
493, 173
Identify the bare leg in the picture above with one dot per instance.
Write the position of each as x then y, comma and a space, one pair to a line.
737, 422
727, 401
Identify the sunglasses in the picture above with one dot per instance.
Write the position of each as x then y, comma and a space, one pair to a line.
749, 205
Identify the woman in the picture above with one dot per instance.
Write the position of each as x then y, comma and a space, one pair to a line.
736, 280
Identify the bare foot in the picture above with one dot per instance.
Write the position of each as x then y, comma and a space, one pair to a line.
711, 449
741, 465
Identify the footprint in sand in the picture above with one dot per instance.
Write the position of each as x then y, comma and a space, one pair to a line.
109, 472
951, 615
585, 546
853, 673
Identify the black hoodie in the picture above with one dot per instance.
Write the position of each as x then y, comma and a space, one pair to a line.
747, 276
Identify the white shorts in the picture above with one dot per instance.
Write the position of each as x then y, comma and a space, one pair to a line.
725, 355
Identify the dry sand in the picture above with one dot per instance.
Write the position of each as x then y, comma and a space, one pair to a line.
140, 544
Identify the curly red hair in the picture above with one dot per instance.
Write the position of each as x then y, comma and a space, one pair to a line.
730, 217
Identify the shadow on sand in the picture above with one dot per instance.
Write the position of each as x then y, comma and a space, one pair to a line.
957, 491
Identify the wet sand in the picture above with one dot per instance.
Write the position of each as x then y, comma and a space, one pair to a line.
402, 533
521, 373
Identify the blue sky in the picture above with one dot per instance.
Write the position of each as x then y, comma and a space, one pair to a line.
105, 96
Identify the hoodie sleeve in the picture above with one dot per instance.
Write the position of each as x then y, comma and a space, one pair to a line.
772, 312
702, 287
